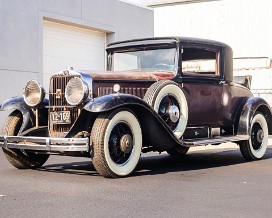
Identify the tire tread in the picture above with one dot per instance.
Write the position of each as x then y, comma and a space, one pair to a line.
97, 139
154, 89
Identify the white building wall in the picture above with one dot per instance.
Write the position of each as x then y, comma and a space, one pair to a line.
246, 25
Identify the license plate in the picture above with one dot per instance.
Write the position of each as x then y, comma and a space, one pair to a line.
60, 117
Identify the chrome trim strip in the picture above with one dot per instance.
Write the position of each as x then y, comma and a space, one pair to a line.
45, 143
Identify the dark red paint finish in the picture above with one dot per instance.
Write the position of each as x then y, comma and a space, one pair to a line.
212, 100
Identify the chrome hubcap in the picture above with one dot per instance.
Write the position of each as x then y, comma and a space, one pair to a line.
173, 112
126, 143
260, 136
169, 111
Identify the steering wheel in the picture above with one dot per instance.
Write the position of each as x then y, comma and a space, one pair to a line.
161, 66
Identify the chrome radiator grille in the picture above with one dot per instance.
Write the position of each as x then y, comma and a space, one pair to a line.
139, 92
58, 102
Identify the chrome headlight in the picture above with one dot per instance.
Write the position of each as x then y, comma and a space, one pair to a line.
76, 91
33, 93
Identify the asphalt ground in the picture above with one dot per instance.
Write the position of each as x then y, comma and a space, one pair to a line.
209, 182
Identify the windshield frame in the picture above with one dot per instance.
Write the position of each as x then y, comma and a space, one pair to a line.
142, 47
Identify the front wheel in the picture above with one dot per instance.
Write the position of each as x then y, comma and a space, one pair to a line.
21, 159
255, 147
117, 143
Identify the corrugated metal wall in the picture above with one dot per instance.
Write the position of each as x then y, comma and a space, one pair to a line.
246, 25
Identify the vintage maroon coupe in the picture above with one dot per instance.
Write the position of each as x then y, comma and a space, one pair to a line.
159, 94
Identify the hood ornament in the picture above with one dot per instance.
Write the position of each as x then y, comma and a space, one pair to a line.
69, 71
66, 72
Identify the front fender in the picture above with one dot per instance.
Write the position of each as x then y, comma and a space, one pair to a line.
14, 103
109, 102
251, 106
155, 131
18, 103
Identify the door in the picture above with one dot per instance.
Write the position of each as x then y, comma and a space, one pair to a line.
203, 85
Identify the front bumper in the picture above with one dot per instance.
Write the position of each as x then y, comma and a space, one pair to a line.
45, 143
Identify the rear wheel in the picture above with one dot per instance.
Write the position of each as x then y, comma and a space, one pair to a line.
255, 147
117, 143
20, 159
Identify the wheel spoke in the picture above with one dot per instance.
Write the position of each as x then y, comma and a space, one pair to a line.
123, 130
114, 151
118, 131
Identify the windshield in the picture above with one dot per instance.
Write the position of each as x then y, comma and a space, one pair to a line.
155, 59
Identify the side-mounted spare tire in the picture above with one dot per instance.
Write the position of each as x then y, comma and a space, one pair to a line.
168, 100
21, 159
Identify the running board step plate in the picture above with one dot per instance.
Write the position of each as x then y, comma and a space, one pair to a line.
213, 141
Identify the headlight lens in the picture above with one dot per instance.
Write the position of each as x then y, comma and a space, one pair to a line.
76, 91
33, 93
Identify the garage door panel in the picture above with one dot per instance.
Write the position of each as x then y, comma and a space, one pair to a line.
74, 50
57, 64
65, 45
71, 43
60, 31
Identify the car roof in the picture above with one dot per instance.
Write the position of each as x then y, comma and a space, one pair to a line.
166, 40
226, 68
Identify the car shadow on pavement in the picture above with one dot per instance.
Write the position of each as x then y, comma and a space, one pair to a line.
163, 163
204, 159
190, 162
77, 168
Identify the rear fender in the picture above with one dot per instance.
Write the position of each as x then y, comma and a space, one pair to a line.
251, 106
18, 103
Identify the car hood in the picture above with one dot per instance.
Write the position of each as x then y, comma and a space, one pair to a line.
130, 75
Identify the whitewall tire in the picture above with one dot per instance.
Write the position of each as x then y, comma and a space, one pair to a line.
117, 143
168, 100
256, 146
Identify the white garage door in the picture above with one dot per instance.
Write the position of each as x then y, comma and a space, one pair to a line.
65, 46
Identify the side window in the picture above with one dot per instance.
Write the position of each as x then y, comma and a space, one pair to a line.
200, 62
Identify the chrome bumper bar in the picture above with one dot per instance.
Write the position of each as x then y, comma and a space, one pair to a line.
45, 143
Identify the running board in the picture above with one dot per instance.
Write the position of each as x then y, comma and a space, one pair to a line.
213, 141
